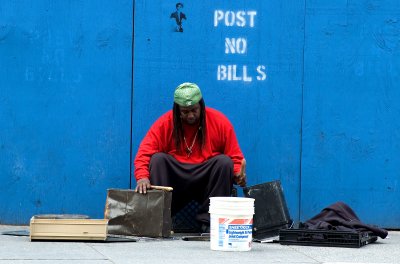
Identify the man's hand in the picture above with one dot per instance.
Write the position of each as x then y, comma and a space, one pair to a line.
142, 185
240, 179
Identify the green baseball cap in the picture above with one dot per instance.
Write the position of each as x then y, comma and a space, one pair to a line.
187, 94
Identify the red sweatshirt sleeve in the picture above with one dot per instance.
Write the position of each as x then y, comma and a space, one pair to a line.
232, 148
150, 145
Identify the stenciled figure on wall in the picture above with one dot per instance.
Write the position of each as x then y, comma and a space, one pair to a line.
179, 16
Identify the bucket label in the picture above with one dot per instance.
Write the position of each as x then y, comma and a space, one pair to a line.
231, 233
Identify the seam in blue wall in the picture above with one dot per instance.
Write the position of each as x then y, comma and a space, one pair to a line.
131, 131
301, 112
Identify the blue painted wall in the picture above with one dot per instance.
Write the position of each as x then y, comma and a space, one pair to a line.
65, 80
322, 116
351, 121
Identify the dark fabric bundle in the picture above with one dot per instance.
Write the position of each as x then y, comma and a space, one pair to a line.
339, 216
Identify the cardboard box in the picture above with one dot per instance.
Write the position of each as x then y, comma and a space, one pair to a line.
68, 229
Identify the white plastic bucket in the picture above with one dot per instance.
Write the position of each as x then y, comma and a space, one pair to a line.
231, 223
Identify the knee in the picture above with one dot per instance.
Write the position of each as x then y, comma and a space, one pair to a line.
158, 157
224, 161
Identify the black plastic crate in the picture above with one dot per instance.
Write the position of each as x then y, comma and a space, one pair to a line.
325, 238
185, 220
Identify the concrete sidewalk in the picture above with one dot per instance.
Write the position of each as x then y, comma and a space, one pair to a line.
18, 249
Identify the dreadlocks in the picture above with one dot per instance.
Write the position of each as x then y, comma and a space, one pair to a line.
178, 127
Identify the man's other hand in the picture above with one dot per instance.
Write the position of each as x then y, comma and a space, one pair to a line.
142, 185
240, 179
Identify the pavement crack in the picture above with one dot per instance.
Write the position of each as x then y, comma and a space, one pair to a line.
105, 257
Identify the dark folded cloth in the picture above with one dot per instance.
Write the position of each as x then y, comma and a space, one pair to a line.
339, 216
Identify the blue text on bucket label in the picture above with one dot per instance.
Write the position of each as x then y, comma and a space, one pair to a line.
239, 233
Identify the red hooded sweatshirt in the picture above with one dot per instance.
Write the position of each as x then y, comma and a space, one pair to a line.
220, 139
